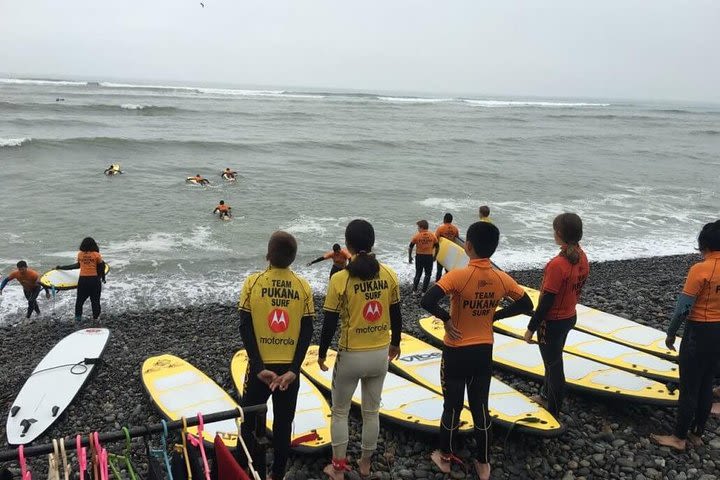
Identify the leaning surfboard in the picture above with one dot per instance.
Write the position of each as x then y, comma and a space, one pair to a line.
404, 403
600, 350
580, 373
179, 390
311, 427
63, 279
54, 383
509, 408
589, 320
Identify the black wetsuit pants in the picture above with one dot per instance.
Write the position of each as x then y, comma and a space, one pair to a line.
438, 271
334, 269
699, 363
88, 286
423, 263
31, 296
255, 393
552, 335
466, 367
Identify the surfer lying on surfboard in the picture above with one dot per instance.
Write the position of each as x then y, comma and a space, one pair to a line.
229, 174
198, 179
223, 211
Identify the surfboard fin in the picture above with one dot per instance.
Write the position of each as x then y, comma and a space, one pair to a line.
55, 410
26, 423
14, 410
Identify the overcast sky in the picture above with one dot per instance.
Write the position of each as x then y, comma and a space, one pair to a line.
662, 49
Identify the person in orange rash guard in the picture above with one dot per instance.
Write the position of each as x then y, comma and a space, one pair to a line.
339, 256
475, 291
699, 307
223, 210
92, 272
30, 281
200, 180
427, 248
449, 231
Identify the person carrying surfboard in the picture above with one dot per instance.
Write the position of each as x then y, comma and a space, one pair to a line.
365, 299
475, 292
699, 304
449, 231
30, 281
563, 279
223, 210
340, 257
276, 326
92, 272
427, 249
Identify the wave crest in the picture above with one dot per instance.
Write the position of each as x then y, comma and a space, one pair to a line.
14, 142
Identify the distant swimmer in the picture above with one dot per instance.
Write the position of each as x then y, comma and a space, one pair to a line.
224, 211
113, 169
59, 99
30, 281
229, 174
198, 179
340, 257
484, 212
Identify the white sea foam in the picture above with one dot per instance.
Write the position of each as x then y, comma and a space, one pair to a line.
22, 81
134, 106
516, 103
14, 142
213, 91
415, 99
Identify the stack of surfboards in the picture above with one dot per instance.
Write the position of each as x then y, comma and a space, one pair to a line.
605, 354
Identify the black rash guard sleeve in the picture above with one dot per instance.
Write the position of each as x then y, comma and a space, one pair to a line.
431, 300
73, 266
319, 259
546, 302
304, 339
524, 305
247, 334
330, 323
101, 270
395, 324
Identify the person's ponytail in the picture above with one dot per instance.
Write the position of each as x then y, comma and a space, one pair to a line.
364, 266
360, 238
569, 228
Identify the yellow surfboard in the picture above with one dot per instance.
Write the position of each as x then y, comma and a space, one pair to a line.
580, 373
180, 390
420, 362
63, 279
311, 427
589, 320
403, 402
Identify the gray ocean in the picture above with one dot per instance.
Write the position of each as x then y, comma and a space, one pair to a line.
643, 176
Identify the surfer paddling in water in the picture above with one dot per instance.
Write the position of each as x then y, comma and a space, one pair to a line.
475, 291
276, 325
30, 281
223, 211
699, 304
366, 296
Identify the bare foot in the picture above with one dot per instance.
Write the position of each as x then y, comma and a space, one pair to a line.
364, 465
669, 441
715, 410
330, 471
442, 464
694, 440
482, 470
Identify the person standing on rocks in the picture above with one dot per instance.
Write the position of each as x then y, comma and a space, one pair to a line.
30, 281
366, 296
449, 231
340, 257
92, 272
475, 291
276, 326
427, 249
563, 279
699, 304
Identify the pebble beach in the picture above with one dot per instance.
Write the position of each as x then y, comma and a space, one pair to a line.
604, 438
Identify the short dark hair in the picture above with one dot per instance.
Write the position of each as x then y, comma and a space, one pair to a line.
423, 224
282, 248
222, 202
21, 264
89, 245
484, 237
484, 211
336, 247
709, 238
448, 218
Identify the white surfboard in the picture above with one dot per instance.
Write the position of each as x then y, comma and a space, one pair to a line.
53, 384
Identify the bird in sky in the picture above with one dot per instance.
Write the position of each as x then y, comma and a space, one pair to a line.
203, 5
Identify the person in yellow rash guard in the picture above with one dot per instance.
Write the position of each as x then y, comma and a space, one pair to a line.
276, 326
365, 299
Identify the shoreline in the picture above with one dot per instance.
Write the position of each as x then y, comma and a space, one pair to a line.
605, 438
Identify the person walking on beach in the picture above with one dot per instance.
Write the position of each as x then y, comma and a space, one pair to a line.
223, 210
30, 281
699, 304
427, 248
92, 272
475, 291
449, 231
555, 315
365, 298
484, 213
340, 257
276, 326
